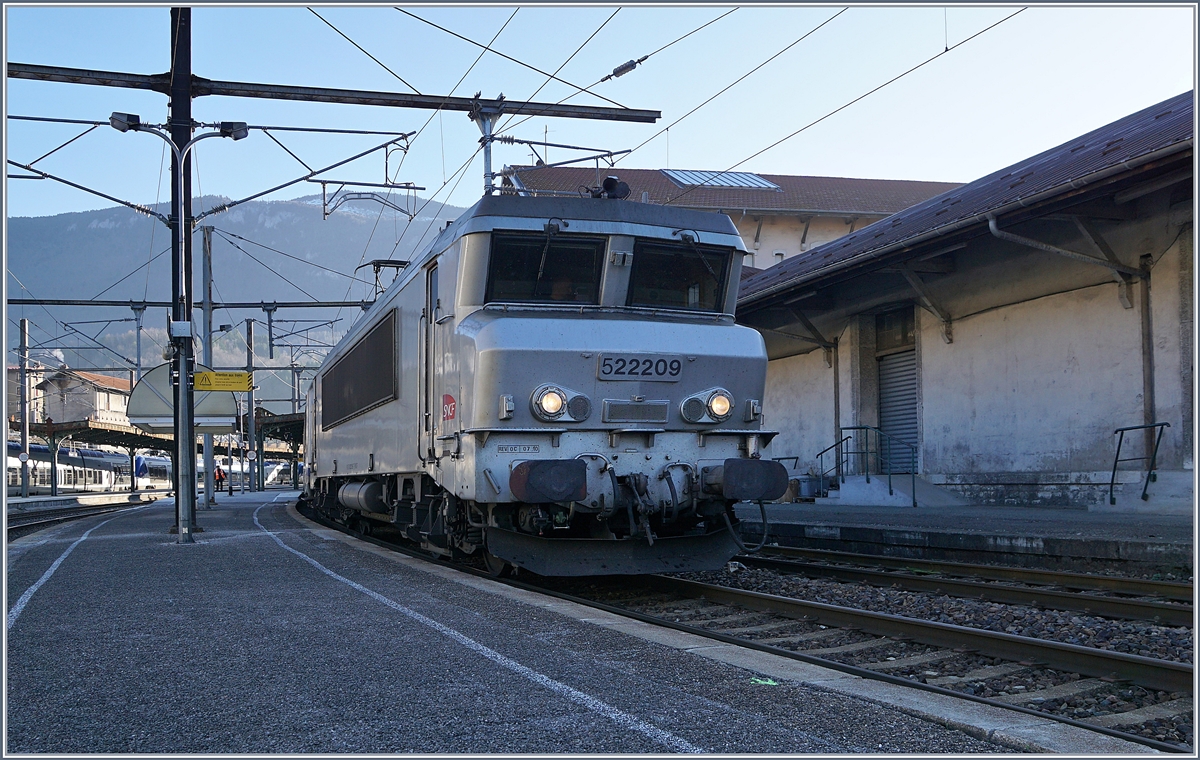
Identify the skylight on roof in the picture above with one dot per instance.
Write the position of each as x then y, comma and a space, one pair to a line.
744, 180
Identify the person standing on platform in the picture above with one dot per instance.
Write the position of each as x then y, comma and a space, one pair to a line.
219, 477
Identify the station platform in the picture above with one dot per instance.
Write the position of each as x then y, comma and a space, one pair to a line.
1034, 536
271, 634
94, 499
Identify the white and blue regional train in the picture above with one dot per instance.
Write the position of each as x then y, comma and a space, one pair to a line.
85, 470
556, 384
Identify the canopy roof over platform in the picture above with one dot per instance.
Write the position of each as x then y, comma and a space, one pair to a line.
101, 433
277, 427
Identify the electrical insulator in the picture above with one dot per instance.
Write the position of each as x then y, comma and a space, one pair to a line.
624, 68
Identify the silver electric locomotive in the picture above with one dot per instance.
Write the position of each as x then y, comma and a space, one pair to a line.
557, 384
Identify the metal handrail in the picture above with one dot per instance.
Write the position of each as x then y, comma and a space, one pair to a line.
1153, 458
878, 454
837, 464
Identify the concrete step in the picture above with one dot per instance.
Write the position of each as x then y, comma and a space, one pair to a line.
856, 491
1172, 493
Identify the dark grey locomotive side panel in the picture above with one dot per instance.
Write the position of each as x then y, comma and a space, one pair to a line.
364, 378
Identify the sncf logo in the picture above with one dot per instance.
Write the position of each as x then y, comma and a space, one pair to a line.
449, 406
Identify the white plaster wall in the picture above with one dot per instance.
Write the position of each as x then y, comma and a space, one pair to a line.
1167, 316
1033, 387
75, 403
783, 233
799, 404
13, 392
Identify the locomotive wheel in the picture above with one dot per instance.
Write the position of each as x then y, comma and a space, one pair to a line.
496, 566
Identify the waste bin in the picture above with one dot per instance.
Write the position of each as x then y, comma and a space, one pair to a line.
808, 486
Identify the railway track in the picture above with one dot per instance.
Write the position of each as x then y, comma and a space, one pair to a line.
1044, 592
1060, 681
1128, 696
1172, 590
22, 522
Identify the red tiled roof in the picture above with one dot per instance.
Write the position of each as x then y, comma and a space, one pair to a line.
104, 381
815, 195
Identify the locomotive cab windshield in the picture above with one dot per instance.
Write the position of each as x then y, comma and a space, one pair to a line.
541, 268
533, 268
678, 276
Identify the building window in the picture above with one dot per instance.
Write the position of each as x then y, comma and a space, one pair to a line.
895, 330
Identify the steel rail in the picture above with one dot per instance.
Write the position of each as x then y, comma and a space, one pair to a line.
854, 670
28, 519
1141, 587
1166, 613
1144, 671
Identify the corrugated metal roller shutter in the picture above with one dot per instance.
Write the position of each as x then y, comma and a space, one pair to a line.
898, 403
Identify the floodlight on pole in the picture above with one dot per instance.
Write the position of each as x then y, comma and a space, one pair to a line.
181, 331
235, 129
123, 122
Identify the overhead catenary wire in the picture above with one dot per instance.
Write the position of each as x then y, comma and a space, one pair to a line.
225, 233
462, 173
60, 324
287, 150
136, 207
68, 142
510, 58
418, 133
437, 112
611, 76
550, 78
360, 47
162, 160
689, 34
735, 82
131, 274
269, 269
846, 105
646, 57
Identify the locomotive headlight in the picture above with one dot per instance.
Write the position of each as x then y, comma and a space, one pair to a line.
720, 405
549, 402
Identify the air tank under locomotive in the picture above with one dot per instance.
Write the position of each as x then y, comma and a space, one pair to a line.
557, 384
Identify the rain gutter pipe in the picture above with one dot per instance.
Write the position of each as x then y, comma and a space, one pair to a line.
1031, 243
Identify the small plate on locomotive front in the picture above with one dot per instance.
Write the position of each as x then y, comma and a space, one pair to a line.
663, 368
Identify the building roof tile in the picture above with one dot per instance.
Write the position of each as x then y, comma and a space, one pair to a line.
795, 194
107, 382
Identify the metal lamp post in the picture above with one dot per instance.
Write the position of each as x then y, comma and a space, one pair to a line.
181, 331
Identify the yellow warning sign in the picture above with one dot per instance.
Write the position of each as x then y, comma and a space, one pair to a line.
222, 381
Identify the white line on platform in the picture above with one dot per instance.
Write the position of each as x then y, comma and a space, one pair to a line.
15, 612
672, 742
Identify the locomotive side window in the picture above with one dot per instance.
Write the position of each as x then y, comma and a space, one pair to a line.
364, 377
678, 276
544, 269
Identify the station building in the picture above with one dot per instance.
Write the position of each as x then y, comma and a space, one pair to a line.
33, 376
69, 395
778, 216
1004, 328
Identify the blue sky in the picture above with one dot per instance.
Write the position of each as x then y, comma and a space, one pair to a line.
1032, 82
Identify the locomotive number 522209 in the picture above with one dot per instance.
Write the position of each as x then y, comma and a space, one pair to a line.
661, 367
